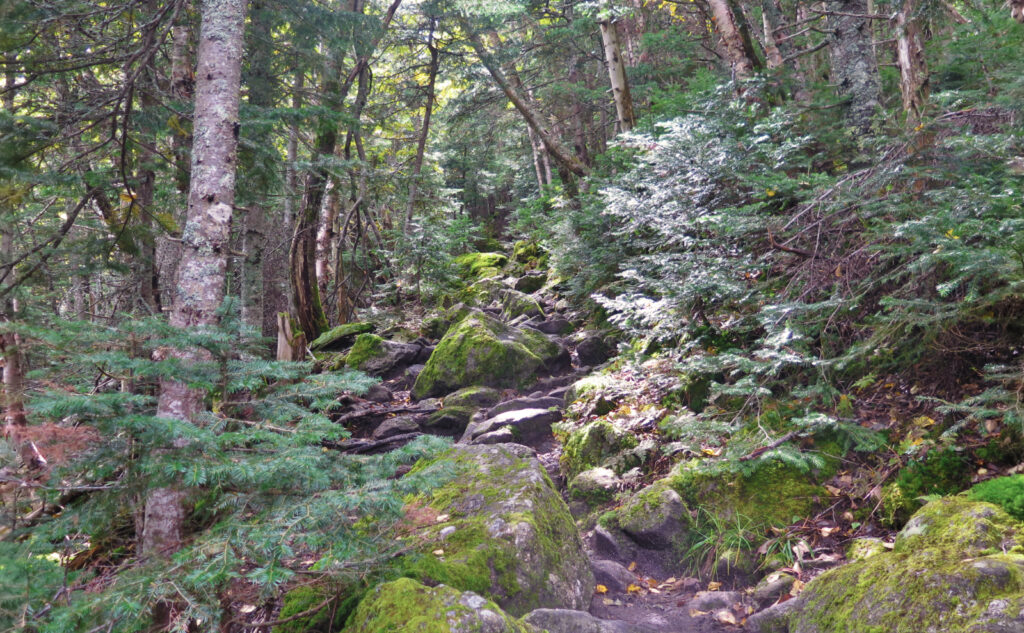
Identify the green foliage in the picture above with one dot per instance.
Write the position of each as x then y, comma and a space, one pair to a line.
266, 491
1005, 492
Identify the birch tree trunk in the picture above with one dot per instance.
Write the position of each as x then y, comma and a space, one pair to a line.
852, 53
204, 249
617, 75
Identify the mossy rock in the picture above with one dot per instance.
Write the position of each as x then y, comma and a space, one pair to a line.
507, 533
340, 337
379, 357
594, 486
940, 472
484, 292
655, 516
947, 573
775, 494
476, 397
515, 304
529, 255
593, 445
480, 265
480, 350
406, 606
451, 420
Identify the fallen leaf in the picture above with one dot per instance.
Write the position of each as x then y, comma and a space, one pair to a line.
848, 516
694, 613
601, 589
634, 588
714, 586
608, 602
653, 590
670, 580
632, 566
438, 552
725, 616
798, 586
712, 451
441, 518
652, 582
832, 490
828, 531
247, 608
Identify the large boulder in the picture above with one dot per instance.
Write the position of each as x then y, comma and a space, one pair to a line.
515, 304
480, 350
406, 606
956, 566
500, 529
655, 517
475, 397
381, 357
593, 445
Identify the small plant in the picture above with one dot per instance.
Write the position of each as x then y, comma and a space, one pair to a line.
721, 546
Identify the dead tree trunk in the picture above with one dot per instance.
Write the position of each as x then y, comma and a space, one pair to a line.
912, 63
204, 252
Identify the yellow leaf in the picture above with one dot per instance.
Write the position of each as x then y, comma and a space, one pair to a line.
725, 616
798, 586
770, 193
652, 582
632, 566
713, 452
714, 586
695, 613
601, 589
634, 588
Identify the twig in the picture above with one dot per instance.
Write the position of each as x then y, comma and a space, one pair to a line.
777, 443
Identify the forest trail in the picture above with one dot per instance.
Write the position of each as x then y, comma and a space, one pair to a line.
639, 590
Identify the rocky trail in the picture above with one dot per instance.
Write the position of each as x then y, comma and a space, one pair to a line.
622, 587
569, 512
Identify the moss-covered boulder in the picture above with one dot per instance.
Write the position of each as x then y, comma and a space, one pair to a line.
451, 420
502, 530
655, 516
406, 606
515, 304
594, 444
531, 282
476, 265
529, 255
380, 357
476, 397
483, 292
594, 486
956, 567
480, 350
774, 493
340, 337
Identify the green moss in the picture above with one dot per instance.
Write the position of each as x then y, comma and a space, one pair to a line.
940, 472
472, 558
933, 580
774, 494
450, 418
367, 346
476, 397
406, 606
1005, 492
515, 304
340, 336
480, 350
592, 445
476, 265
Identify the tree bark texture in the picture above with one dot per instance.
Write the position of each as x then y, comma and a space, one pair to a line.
852, 53
204, 252
732, 40
617, 75
911, 60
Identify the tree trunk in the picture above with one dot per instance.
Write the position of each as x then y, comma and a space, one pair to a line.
912, 63
421, 145
526, 107
736, 49
617, 75
204, 253
854, 67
